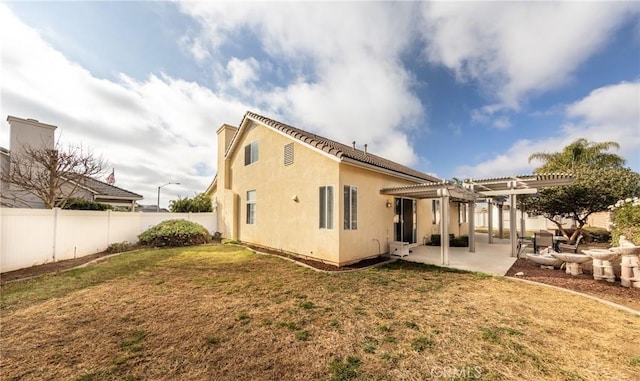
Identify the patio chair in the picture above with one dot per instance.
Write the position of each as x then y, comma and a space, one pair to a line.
570, 247
523, 242
542, 240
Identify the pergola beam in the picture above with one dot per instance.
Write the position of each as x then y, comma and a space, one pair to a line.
509, 192
471, 191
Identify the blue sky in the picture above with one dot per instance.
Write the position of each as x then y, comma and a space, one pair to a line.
452, 89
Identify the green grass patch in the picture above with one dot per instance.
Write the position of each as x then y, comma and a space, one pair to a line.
289, 324
496, 334
411, 325
302, 335
421, 343
344, 370
369, 344
28, 292
133, 341
306, 305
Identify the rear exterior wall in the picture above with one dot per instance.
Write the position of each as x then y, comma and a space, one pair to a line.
287, 196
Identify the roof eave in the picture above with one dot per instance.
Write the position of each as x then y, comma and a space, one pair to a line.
385, 171
212, 186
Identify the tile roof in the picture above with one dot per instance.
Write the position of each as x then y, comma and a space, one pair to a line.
104, 189
339, 150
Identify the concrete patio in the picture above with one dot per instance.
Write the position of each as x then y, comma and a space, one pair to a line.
488, 258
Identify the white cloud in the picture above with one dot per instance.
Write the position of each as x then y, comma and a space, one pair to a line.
502, 123
151, 131
518, 49
242, 72
610, 113
350, 82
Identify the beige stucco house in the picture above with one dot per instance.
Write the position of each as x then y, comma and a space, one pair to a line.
287, 189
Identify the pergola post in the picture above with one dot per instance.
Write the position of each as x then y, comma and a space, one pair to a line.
490, 216
444, 226
513, 226
500, 221
471, 206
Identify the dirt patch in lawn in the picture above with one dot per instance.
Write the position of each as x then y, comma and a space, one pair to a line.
49, 268
321, 265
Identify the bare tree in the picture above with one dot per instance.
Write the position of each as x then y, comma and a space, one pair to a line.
50, 175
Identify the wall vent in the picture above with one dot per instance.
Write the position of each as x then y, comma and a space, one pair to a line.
288, 154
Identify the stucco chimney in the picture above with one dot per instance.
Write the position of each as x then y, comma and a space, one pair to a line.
353, 147
29, 132
365, 149
225, 135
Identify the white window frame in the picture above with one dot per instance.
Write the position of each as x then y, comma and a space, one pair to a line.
325, 211
350, 207
251, 207
251, 153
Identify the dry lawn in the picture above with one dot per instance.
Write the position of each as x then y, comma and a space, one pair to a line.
224, 313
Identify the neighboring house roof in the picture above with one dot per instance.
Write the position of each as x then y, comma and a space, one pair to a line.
151, 209
331, 147
105, 190
97, 187
213, 186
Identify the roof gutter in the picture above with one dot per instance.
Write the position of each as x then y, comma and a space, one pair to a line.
117, 197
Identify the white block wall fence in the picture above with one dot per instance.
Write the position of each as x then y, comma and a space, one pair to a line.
30, 237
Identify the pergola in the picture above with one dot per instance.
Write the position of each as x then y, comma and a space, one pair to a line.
470, 191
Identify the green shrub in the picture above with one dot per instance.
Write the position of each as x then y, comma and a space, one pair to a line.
626, 220
199, 203
120, 247
462, 241
228, 241
82, 204
175, 233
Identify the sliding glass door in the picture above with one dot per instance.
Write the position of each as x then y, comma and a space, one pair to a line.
405, 220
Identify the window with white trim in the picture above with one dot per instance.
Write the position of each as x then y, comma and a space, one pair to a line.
326, 207
251, 153
350, 207
251, 207
435, 212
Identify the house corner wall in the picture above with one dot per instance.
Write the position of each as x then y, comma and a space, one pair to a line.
226, 200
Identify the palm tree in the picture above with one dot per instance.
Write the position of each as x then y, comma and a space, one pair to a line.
577, 154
